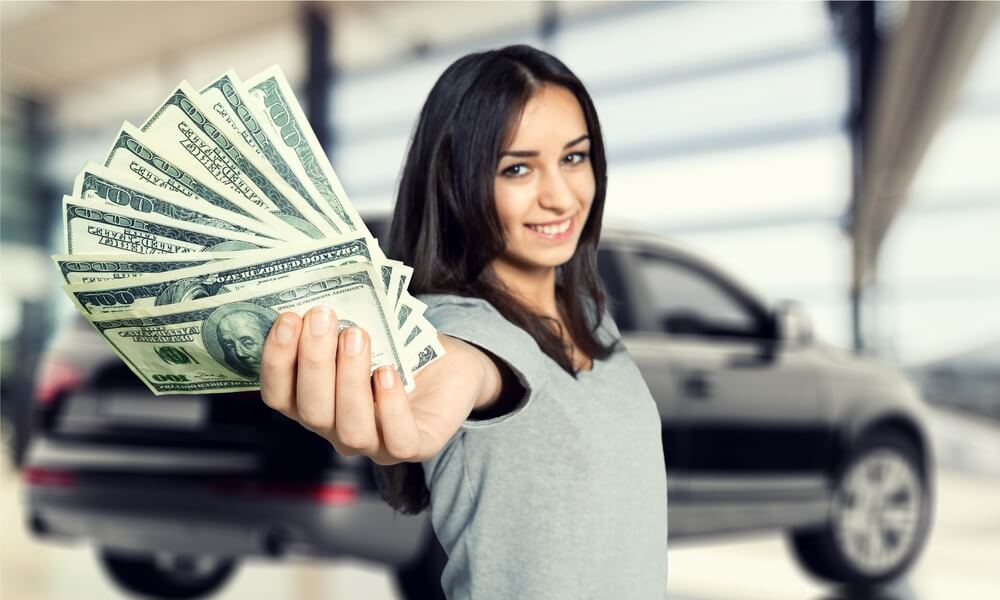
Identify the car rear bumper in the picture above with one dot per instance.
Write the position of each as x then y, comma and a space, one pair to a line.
202, 516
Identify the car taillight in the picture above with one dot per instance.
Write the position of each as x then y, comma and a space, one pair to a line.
54, 378
320, 493
49, 477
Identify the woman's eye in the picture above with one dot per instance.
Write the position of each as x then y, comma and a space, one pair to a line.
517, 170
575, 158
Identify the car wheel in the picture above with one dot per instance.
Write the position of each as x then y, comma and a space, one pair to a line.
421, 579
879, 516
166, 575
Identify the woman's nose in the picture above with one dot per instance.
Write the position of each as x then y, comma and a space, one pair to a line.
556, 194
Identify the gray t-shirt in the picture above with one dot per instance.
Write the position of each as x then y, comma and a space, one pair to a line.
565, 496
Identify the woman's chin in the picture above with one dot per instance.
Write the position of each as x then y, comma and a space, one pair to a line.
542, 261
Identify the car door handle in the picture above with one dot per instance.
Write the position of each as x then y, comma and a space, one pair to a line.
697, 385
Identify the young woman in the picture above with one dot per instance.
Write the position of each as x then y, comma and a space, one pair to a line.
534, 440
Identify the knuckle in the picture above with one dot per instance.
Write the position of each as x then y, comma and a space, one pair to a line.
313, 419
357, 441
401, 450
342, 449
275, 400
315, 361
272, 362
352, 371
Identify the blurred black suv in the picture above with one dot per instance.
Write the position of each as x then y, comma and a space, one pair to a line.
764, 428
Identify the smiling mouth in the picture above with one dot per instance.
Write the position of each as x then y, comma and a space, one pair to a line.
554, 231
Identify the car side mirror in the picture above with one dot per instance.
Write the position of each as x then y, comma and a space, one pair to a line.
794, 327
682, 323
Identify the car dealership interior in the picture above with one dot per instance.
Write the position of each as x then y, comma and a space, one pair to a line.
838, 158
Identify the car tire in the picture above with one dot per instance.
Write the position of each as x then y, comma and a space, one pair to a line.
882, 502
172, 577
421, 578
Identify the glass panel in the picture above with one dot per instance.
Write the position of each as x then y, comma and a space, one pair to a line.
663, 36
688, 303
614, 287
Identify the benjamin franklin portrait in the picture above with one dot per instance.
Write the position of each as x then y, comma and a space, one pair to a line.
191, 288
234, 335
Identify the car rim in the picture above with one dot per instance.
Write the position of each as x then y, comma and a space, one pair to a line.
187, 569
877, 510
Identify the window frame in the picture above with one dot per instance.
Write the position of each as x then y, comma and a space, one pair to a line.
641, 302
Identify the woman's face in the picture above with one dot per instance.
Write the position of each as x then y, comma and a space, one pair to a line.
544, 183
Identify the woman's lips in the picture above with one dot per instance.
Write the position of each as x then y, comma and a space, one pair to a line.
557, 231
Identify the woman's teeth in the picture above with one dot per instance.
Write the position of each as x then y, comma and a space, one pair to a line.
552, 229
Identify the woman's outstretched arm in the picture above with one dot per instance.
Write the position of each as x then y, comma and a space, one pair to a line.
320, 379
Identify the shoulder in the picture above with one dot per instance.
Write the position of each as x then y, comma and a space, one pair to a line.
448, 303
515, 352
445, 310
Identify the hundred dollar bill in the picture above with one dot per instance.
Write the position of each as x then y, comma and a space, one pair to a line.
427, 354
195, 137
213, 344
157, 289
271, 94
421, 345
225, 96
134, 154
97, 182
91, 268
91, 226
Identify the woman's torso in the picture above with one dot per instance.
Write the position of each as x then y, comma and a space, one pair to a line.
565, 497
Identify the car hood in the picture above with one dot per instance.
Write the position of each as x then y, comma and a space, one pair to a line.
870, 375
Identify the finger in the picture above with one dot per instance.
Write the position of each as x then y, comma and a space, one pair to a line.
400, 435
355, 413
277, 364
317, 369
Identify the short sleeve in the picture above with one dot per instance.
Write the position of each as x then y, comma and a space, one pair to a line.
477, 322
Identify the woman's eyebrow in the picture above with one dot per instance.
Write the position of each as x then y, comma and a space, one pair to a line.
529, 153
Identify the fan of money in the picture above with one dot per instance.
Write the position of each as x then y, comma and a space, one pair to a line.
202, 225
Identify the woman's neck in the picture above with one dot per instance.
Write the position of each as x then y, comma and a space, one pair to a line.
535, 287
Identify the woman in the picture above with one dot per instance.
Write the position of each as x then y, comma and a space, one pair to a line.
535, 434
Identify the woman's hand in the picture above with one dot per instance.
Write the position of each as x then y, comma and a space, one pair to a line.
324, 381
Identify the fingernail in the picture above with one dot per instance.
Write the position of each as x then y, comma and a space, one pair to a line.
285, 330
319, 320
385, 378
354, 341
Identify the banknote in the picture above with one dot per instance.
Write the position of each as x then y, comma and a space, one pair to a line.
91, 268
213, 344
213, 279
225, 96
135, 154
421, 345
271, 94
91, 226
427, 354
200, 227
195, 137
97, 182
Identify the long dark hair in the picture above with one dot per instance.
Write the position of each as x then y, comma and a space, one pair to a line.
445, 223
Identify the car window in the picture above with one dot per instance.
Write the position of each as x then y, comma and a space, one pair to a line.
379, 226
686, 301
614, 289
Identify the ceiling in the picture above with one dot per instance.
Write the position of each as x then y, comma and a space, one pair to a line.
49, 47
